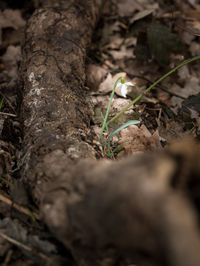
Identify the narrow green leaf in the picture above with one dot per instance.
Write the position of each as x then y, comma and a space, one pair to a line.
31, 215
107, 129
1, 103
120, 147
108, 109
131, 122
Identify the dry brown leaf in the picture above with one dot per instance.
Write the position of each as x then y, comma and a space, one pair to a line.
164, 97
123, 53
195, 26
131, 41
176, 101
183, 73
10, 19
136, 140
120, 103
95, 75
142, 14
115, 43
192, 87
173, 130
11, 59
187, 37
127, 7
108, 84
194, 48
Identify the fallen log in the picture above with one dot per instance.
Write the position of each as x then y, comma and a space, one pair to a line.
55, 110
126, 208
106, 213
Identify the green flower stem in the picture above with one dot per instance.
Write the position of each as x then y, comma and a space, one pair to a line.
152, 86
108, 109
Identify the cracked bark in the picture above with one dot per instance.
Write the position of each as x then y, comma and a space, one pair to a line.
105, 212
55, 109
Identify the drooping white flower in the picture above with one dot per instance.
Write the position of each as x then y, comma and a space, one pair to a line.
123, 87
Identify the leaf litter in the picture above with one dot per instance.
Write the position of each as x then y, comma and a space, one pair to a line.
141, 46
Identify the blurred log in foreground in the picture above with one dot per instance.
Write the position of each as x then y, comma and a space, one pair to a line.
139, 207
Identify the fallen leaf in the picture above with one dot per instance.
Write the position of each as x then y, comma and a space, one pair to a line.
173, 130
108, 84
192, 87
95, 75
136, 140
128, 7
142, 14
114, 43
193, 104
10, 19
187, 37
183, 73
194, 48
11, 59
119, 103
123, 53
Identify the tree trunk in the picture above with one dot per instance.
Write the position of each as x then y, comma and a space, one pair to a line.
105, 212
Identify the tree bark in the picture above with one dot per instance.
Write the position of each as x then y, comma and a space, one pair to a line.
105, 212
55, 107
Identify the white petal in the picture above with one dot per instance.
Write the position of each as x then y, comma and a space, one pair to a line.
124, 90
129, 84
119, 84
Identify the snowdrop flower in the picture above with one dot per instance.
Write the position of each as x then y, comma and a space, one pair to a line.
123, 86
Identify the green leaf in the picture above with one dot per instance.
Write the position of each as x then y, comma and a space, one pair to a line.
120, 147
106, 126
129, 123
108, 110
1, 103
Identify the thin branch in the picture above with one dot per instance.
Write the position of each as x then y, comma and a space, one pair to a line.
17, 207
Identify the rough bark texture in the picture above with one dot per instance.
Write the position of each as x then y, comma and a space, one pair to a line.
102, 211
55, 109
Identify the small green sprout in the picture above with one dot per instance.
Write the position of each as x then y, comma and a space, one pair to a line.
120, 83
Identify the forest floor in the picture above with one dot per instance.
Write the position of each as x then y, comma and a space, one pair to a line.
138, 40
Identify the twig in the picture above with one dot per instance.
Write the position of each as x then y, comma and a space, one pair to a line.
13, 115
8, 257
17, 207
187, 30
25, 247
6, 98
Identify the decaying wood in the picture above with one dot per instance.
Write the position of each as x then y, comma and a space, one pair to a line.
55, 109
129, 205
137, 210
